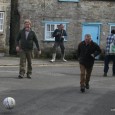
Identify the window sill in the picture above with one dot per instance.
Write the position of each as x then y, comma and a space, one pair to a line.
68, 0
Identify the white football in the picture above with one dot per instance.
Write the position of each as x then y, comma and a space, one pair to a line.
9, 103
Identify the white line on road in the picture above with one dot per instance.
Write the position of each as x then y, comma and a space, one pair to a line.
9, 71
112, 109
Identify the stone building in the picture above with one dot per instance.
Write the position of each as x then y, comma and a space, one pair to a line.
79, 17
4, 26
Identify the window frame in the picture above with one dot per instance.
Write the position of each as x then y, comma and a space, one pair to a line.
111, 25
2, 23
55, 25
68, 0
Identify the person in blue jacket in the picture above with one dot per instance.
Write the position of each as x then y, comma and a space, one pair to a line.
59, 35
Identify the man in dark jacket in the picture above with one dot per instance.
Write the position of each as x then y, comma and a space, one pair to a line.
59, 35
87, 51
24, 45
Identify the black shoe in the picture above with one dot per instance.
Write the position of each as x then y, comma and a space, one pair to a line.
105, 75
20, 76
82, 89
87, 86
28, 76
113, 75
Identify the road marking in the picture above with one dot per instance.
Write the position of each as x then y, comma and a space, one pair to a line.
8, 66
112, 109
55, 65
8, 71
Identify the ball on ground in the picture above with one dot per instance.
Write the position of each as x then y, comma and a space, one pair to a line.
9, 103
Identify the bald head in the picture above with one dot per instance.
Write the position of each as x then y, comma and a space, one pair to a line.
87, 38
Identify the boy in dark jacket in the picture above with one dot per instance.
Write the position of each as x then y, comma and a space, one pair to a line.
87, 51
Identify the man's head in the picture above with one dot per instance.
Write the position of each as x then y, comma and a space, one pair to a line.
27, 24
58, 26
87, 38
61, 26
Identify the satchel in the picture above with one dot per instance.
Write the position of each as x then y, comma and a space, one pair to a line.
112, 48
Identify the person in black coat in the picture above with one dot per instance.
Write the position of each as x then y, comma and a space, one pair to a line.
87, 51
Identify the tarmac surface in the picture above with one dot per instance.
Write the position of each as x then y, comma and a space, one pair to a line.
14, 61
54, 89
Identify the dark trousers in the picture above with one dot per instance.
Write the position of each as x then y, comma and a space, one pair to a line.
59, 44
85, 74
25, 55
107, 60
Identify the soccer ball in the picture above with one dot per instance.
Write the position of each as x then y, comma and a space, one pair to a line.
9, 103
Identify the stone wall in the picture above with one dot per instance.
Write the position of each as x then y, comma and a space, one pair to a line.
74, 13
4, 36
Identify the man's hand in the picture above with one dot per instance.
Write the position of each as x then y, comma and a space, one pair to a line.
39, 52
62, 36
92, 55
17, 48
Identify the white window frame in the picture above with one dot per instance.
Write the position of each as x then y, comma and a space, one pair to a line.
51, 23
68, 0
112, 25
1, 21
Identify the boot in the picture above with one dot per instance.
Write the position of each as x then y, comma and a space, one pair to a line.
87, 85
53, 57
82, 89
105, 75
63, 55
64, 60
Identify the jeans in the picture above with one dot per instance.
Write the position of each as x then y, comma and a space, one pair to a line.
56, 45
25, 56
107, 60
85, 74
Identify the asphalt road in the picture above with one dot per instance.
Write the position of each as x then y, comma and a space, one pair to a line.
54, 90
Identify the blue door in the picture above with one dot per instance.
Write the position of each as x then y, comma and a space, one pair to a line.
94, 30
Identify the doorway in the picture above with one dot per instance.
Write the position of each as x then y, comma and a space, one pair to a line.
93, 30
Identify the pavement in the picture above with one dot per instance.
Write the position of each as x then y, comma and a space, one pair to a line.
14, 61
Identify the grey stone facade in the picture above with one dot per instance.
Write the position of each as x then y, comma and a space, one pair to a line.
85, 11
5, 6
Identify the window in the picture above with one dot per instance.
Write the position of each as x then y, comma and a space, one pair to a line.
49, 29
1, 21
112, 26
69, 0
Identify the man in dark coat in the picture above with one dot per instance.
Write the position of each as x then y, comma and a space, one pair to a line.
59, 35
87, 51
24, 45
